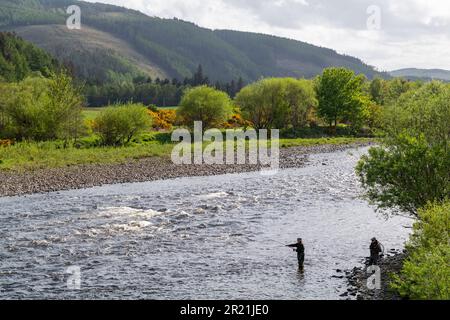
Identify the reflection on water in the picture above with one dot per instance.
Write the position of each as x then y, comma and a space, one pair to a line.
195, 238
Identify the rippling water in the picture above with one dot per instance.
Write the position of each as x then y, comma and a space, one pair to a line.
195, 238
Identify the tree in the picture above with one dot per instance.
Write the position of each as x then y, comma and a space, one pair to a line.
43, 109
277, 102
118, 125
421, 112
340, 95
301, 99
65, 107
264, 103
240, 84
377, 90
412, 167
199, 79
205, 104
394, 88
386, 92
375, 116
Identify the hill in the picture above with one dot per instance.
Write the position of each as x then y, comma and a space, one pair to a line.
422, 74
117, 43
95, 56
18, 59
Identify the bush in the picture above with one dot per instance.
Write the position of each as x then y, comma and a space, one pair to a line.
41, 109
236, 121
6, 143
163, 119
426, 272
205, 104
118, 125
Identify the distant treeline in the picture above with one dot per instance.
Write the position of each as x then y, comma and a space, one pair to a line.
159, 92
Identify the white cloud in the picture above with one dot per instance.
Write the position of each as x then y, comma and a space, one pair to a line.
414, 33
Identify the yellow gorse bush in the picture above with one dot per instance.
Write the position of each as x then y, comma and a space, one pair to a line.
163, 119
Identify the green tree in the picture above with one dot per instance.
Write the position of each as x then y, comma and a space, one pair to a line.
374, 116
301, 98
393, 89
277, 103
412, 167
118, 125
64, 107
424, 111
205, 104
376, 90
43, 109
341, 97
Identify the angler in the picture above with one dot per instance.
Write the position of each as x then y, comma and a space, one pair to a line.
375, 251
300, 248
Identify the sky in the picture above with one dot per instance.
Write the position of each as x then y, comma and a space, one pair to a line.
388, 34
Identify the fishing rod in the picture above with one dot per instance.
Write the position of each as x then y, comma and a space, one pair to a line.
283, 244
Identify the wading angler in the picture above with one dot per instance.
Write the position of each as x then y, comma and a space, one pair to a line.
208, 148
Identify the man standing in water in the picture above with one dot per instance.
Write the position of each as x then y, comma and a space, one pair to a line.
375, 250
300, 248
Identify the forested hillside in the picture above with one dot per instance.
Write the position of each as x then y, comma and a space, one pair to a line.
166, 48
18, 58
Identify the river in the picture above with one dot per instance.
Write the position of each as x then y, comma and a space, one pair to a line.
195, 238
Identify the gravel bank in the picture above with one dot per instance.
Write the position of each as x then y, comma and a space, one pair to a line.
357, 279
150, 169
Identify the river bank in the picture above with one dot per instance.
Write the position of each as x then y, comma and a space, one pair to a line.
148, 169
357, 279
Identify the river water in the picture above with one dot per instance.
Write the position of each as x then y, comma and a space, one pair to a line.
195, 238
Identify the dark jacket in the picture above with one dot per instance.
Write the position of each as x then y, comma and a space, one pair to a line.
300, 248
375, 248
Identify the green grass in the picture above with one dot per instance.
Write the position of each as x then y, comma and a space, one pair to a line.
168, 108
288, 143
32, 156
29, 156
91, 113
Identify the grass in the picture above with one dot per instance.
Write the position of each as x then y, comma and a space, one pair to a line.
32, 156
29, 156
288, 143
91, 113
168, 108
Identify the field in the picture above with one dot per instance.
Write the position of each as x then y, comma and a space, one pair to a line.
91, 113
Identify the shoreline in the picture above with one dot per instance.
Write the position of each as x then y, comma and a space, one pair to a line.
143, 170
357, 279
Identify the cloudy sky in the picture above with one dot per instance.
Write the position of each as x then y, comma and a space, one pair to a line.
385, 33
